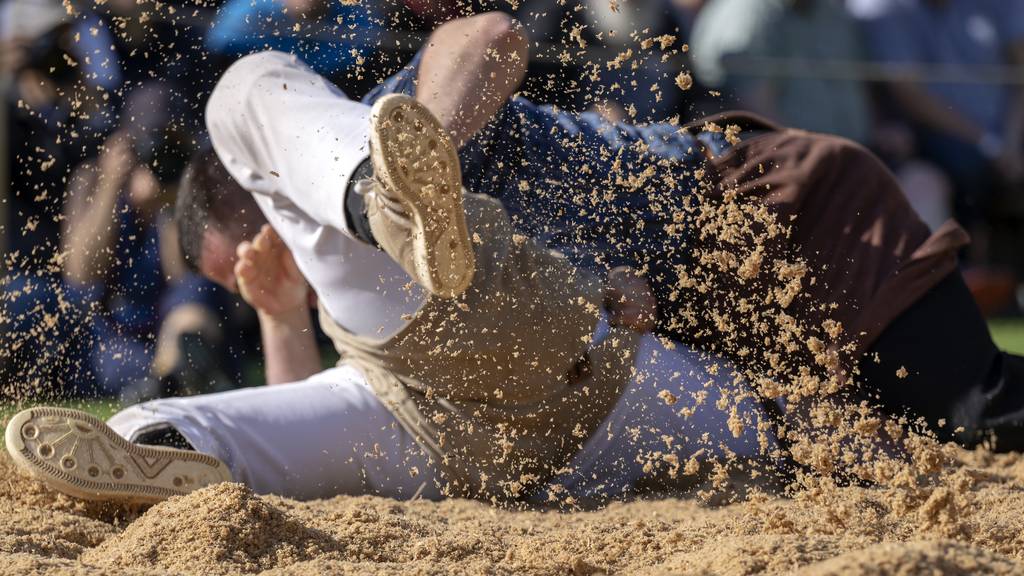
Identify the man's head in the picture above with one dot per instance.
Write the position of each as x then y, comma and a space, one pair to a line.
214, 214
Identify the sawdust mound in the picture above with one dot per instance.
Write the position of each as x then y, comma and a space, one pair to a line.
753, 554
19, 491
31, 565
40, 527
222, 528
49, 533
942, 557
226, 529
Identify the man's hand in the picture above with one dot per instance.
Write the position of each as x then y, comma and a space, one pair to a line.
115, 162
268, 278
629, 300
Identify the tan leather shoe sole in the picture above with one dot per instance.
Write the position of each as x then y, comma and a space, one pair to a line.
78, 454
417, 165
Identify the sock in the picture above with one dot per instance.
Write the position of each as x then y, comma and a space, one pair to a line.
163, 436
355, 205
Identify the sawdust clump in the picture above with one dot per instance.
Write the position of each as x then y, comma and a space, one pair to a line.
220, 528
940, 557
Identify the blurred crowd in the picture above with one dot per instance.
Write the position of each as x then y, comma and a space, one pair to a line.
103, 105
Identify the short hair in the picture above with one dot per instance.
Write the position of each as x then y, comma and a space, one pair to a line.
209, 197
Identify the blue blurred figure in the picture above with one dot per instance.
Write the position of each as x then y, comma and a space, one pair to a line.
973, 130
122, 314
333, 37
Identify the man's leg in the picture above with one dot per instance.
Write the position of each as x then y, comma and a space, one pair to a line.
190, 320
189, 355
76, 453
325, 436
937, 361
118, 360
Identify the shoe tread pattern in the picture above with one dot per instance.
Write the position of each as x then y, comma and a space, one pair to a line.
148, 462
419, 162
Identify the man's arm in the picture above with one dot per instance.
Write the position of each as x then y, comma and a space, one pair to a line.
470, 67
929, 111
898, 37
290, 353
90, 225
271, 283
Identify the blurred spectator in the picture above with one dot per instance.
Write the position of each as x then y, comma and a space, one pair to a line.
973, 130
123, 269
42, 113
37, 52
52, 109
27, 19
787, 32
686, 12
127, 316
334, 38
141, 41
84, 66
148, 44
635, 84
70, 72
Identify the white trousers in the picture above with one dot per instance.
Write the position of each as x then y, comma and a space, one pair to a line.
329, 435
293, 140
